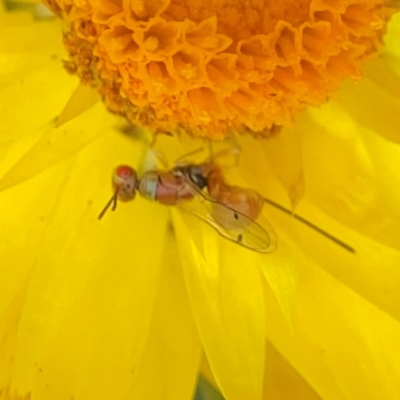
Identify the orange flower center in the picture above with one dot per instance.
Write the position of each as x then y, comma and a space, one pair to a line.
211, 66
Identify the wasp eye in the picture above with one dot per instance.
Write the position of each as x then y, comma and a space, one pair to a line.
124, 171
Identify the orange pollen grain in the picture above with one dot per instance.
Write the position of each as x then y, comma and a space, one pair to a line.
212, 66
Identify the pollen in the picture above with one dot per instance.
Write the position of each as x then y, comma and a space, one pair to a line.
207, 67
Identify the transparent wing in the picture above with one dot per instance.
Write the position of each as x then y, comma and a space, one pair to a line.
254, 235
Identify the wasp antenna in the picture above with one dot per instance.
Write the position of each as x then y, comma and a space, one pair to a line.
310, 225
115, 198
112, 201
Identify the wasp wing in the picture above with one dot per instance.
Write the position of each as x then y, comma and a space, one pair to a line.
256, 235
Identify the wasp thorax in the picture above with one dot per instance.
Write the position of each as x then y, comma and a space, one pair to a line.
196, 175
124, 181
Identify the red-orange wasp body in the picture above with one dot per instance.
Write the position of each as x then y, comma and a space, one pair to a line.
200, 189
234, 212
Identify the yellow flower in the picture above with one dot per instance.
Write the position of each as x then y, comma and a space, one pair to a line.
137, 305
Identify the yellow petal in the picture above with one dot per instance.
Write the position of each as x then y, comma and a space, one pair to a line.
371, 271
26, 211
32, 52
257, 172
206, 373
281, 274
346, 183
283, 156
83, 98
379, 72
345, 347
172, 353
225, 292
22, 2
375, 104
88, 310
9, 322
57, 144
282, 381
32, 55
392, 48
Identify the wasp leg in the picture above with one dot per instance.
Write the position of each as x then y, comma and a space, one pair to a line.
160, 158
233, 150
181, 160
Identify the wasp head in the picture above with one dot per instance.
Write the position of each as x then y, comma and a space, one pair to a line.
124, 180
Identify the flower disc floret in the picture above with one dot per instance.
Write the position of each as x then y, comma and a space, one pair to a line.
210, 66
